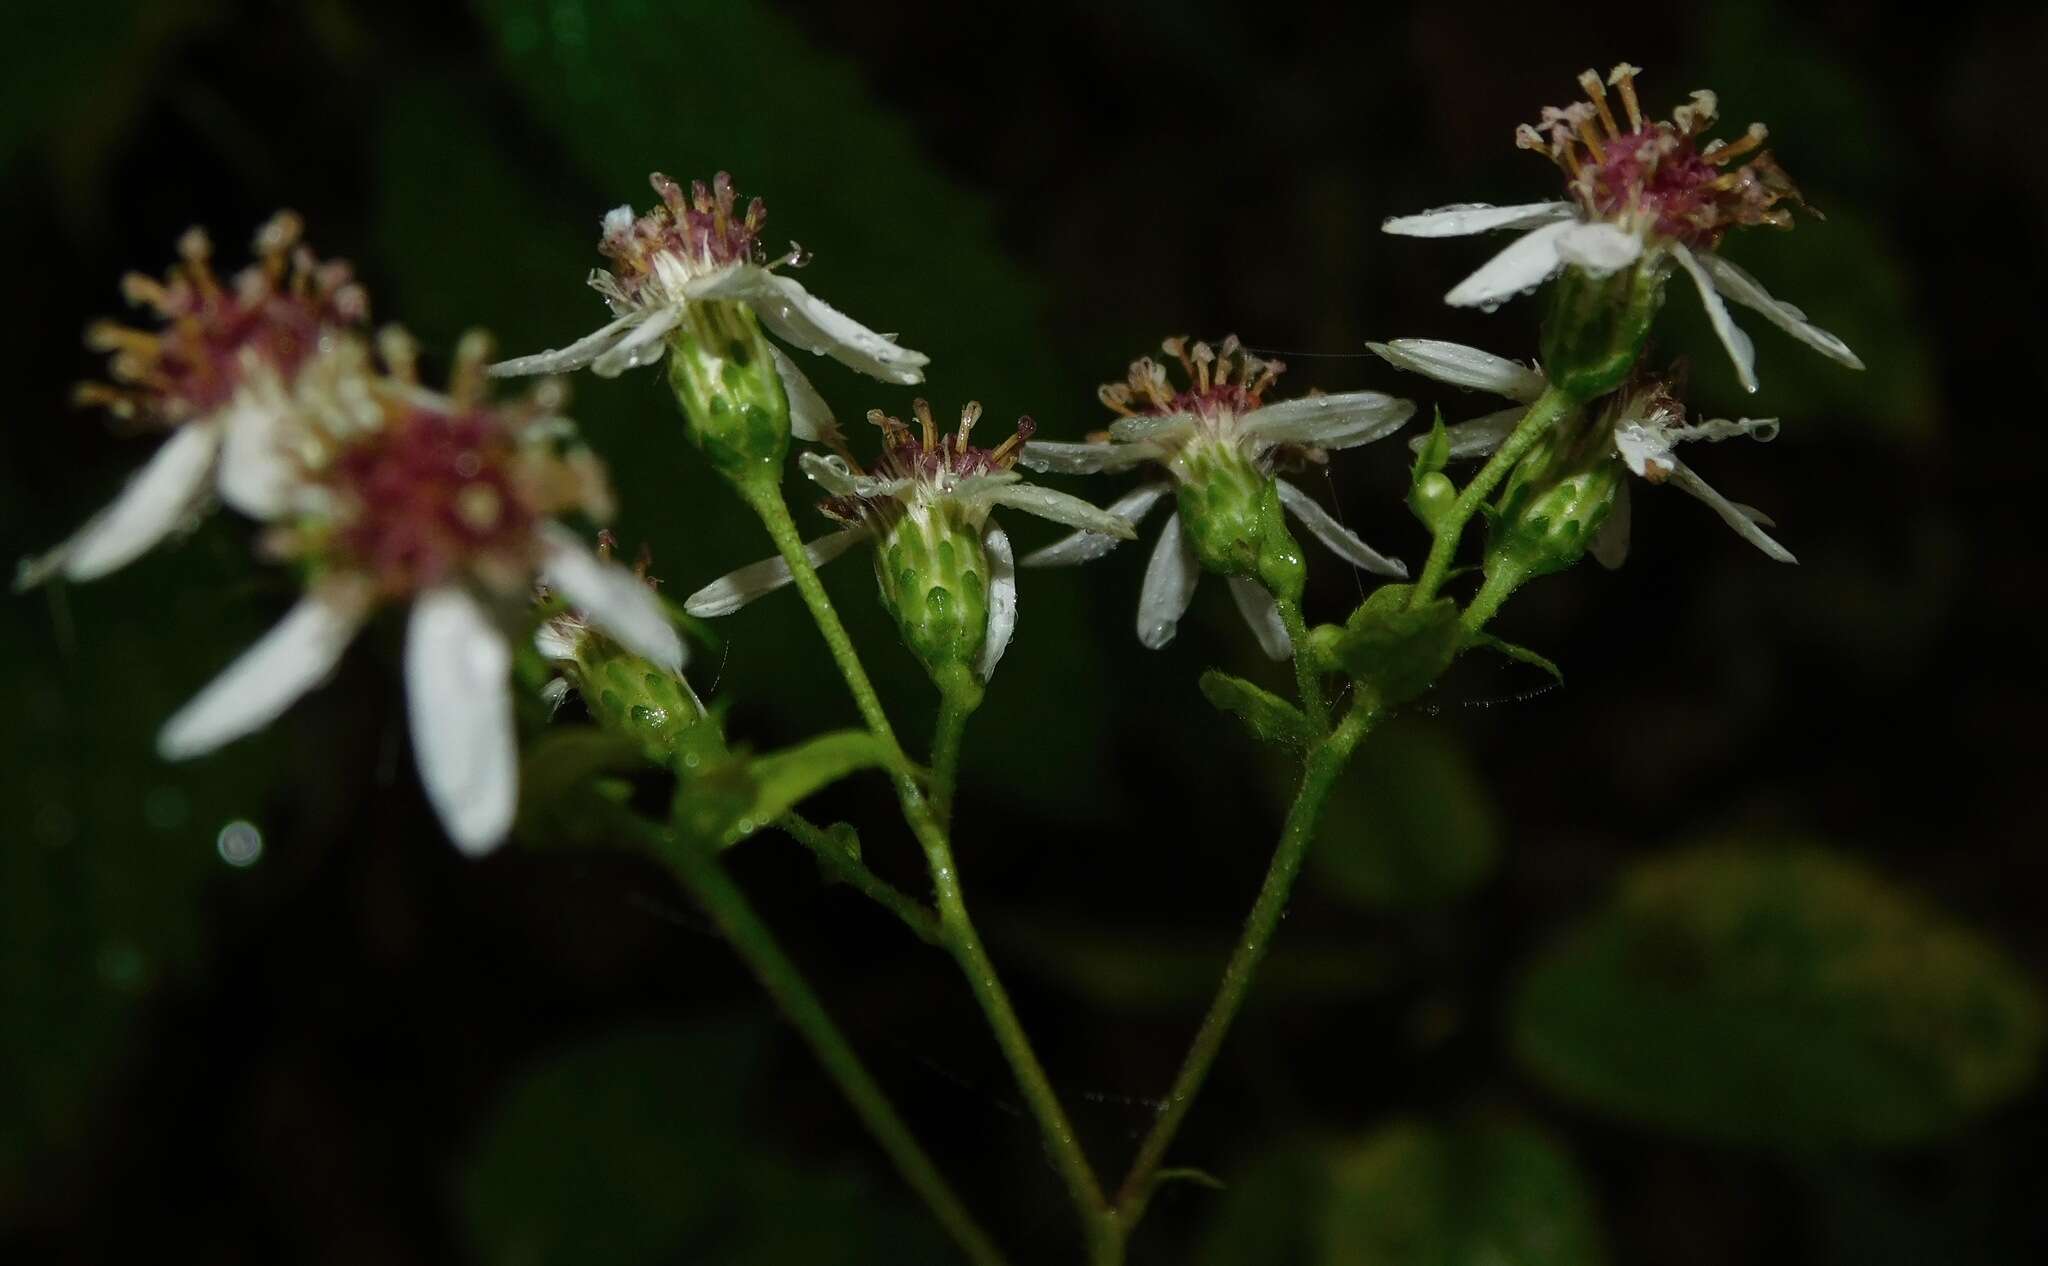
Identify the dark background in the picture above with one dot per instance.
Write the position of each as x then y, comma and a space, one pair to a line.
363, 1048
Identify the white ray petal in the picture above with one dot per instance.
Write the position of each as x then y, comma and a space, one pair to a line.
1466, 218
458, 698
1599, 248
156, 500
810, 418
1346, 420
1526, 263
1740, 349
1153, 427
1731, 280
575, 356
830, 472
1083, 459
612, 598
1168, 587
1741, 518
291, 659
1062, 507
257, 470
1463, 366
1478, 437
1259, 611
1609, 545
1002, 599
1084, 546
1341, 540
800, 317
643, 345
736, 589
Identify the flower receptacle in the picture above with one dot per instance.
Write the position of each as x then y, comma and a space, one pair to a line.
934, 578
724, 378
1597, 325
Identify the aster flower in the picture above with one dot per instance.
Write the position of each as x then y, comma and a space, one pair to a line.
698, 248
1215, 429
1646, 419
217, 373
445, 503
928, 507
1647, 196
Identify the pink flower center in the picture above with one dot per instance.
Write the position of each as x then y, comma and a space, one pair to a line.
701, 230
1219, 383
927, 454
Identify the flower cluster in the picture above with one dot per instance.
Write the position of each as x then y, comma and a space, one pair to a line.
1219, 444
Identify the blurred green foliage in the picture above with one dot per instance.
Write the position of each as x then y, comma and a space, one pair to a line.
1411, 825
1411, 1194
1784, 995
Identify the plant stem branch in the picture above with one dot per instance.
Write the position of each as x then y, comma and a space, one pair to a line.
1553, 404
1326, 760
850, 870
700, 872
1308, 682
959, 695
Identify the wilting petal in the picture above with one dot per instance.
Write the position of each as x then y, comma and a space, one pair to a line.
1466, 218
810, 418
1258, 610
1738, 285
1168, 587
800, 317
288, 661
612, 598
830, 472
1083, 459
1478, 437
1084, 546
1002, 599
1609, 545
1062, 507
458, 698
575, 356
1599, 248
1741, 518
1740, 349
643, 345
1340, 421
257, 471
1164, 426
1463, 366
1527, 263
1342, 542
730, 592
156, 500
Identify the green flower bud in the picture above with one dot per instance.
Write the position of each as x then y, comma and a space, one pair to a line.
1222, 496
724, 378
627, 694
1597, 325
934, 577
1554, 502
1432, 497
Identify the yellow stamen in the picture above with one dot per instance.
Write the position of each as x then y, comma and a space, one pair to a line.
1598, 96
1721, 154
924, 418
1623, 77
968, 417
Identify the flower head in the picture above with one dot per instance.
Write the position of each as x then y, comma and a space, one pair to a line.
697, 248
1219, 443
927, 504
216, 366
444, 502
1640, 195
1644, 423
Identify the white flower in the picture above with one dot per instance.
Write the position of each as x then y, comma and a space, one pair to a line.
1220, 413
1646, 420
938, 486
219, 375
694, 248
445, 503
1649, 196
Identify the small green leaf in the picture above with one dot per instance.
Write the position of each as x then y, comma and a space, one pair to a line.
730, 801
1265, 714
1431, 492
1396, 650
1777, 995
1520, 654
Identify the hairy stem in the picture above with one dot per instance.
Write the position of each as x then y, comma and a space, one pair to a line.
1553, 404
1326, 760
1308, 680
850, 870
701, 874
959, 695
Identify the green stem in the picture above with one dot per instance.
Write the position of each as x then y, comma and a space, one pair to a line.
721, 898
1308, 681
1325, 762
765, 497
851, 871
1553, 404
959, 695
1502, 580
